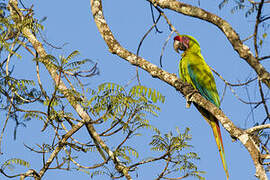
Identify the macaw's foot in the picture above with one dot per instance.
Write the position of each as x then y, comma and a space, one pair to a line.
188, 99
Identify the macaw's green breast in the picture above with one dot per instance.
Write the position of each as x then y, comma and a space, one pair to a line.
194, 70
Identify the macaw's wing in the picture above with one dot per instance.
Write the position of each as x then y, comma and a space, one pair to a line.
203, 80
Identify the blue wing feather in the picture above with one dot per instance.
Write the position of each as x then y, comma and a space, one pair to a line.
198, 83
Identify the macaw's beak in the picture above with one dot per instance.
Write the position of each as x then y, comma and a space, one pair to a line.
177, 45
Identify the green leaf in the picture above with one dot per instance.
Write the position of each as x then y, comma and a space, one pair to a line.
16, 161
72, 55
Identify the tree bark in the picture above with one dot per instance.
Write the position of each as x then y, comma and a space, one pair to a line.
243, 50
187, 90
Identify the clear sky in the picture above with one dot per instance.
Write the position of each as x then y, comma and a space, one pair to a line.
72, 23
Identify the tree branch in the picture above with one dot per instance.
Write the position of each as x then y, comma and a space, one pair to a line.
243, 50
186, 89
257, 128
52, 69
258, 21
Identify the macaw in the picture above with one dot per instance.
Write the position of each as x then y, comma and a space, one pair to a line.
194, 70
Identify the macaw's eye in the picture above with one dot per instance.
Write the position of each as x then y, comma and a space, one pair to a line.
181, 46
185, 42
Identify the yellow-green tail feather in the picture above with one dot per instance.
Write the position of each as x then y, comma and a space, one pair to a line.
216, 130
217, 134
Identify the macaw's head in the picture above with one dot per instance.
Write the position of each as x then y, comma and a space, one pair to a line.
184, 42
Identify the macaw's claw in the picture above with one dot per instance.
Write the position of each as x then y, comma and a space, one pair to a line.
188, 103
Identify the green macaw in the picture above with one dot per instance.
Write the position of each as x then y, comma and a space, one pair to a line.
194, 70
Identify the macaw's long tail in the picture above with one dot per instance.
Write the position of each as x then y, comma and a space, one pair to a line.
216, 130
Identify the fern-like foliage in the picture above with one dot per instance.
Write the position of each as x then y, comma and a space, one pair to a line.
65, 64
124, 112
14, 161
176, 150
97, 173
21, 91
114, 100
125, 152
11, 32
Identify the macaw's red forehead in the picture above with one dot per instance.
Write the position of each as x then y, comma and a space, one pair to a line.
178, 38
181, 38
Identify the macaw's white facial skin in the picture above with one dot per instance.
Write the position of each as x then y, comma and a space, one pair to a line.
180, 43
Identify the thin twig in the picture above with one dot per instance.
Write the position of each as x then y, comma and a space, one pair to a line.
36, 151
153, 18
146, 34
263, 101
163, 47
258, 21
165, 168
264, 19
115, 124
167, 20
148, 161
223, 94
39, 81
253, 2
231, 84
81, 166
232, 90
250, 105
9, 56
50, 103
72, 138
264, 146
247, 38
5, 124
49, 44
182, 177
263, 58
257, 128
8, 176
139, 47
120, 128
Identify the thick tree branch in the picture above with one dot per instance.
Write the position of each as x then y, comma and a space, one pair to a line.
171, 79
243, 50
86, 119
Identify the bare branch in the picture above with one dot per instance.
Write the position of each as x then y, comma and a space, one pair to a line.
243, 50
52, 69
161, 175
30, 173
232, 90
258, 20
171, 79
264, 102
149, 160
5, 124
182, 177
257, 128
163, 48
264, 57
153, 18
265, 156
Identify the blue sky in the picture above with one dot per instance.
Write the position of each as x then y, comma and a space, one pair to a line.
72, 23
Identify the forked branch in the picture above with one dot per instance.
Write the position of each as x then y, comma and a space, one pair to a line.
186, 89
